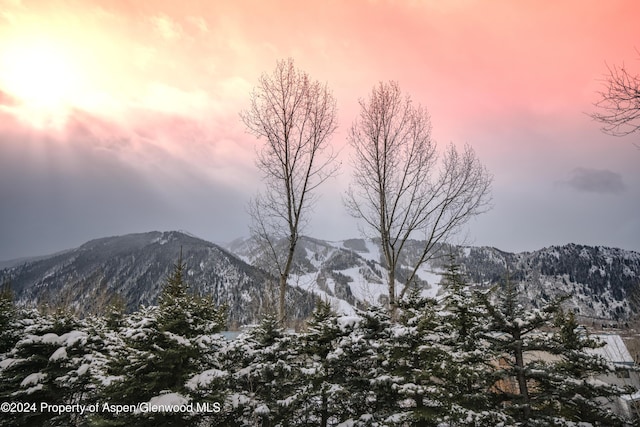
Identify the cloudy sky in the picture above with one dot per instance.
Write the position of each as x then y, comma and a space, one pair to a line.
120, 116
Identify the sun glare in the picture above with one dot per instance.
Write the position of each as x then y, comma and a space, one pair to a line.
42, 76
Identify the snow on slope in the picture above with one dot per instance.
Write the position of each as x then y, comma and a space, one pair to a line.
600, 281
347, 273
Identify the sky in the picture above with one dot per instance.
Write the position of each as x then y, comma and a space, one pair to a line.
119, 117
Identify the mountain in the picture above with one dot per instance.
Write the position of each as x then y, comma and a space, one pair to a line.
601, 282
135, 266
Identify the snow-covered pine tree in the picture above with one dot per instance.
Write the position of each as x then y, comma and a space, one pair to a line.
9, 327
49, 364
127, 373
325, 396
368, 377
417, 359
468, 370
547, 375
184, 313
570, 391
164, 348
114, 312
516, 332
264, 382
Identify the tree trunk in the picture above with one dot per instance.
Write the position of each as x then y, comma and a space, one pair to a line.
520, 376
392, 292
281, 292
324, 413
282, 313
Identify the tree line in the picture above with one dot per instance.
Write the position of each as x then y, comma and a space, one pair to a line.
461, 360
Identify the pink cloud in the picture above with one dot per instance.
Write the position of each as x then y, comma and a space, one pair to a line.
514, 79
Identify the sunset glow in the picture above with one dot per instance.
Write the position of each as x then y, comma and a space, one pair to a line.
41, 74
144, 98
41, 77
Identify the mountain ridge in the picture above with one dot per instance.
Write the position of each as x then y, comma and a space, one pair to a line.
603, 282
134, 267
555, 270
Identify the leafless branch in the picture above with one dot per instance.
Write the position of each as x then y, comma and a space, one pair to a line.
397, 189
619, 103
296, 118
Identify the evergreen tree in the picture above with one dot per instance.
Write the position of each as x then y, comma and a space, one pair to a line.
49, 364
570, 390
9, 327
323, 385
547, 377
418, 358
468, 371
369, 378
164, 349
515, 331
114, 312
265, 375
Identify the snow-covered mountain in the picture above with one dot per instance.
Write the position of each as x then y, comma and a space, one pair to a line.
348, 273
135, 267
602, 282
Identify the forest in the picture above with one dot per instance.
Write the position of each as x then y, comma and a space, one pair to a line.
464, 359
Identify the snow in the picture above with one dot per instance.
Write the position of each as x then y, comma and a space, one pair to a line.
373, 251
237, 399
83, 369
614, 349
628, 272
309, 283
71, 338
433, 278
205, 378
348, 322
4, 364
336, 354
31, 390
230, 335
308, 371
584, 253
59, 354
107, 381
68, 340
362, 289
632, 397
49, 338
262, 410
32, 379
367, 277
177, 338
290, 400
160, 240
169, 399
372, 290
600, 270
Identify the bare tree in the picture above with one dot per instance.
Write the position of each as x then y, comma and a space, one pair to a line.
399, 191
619, 103
296, 117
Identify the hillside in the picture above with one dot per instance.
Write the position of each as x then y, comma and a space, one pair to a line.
135, 266
603, 283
